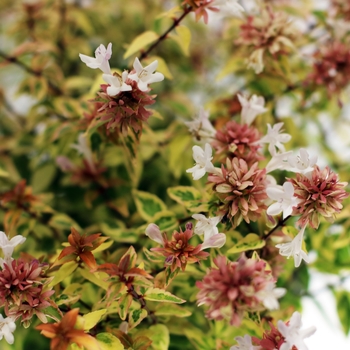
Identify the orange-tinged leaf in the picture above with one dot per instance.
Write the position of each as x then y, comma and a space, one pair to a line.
88, 259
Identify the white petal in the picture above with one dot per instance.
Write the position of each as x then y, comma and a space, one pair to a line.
137, 66
274, 209
216, 241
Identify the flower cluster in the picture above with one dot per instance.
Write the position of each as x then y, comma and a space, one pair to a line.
319, 195
234, 288
332, 67
123, 99
24, 290
241, 189
268, 32
178, 252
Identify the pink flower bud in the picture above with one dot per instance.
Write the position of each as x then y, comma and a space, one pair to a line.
153, 232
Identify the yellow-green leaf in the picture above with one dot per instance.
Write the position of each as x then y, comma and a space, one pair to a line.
4, 173
183, 194
94, 278
160, 295
166, 220
148, 204
108, 341
43, 176
172, 310
92, 318
64, 271
63, 221
183, 38
249, 242
140, 42
136, 316
159, 334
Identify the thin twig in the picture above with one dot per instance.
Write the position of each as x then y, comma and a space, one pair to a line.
281, 223
162, 37
16, 61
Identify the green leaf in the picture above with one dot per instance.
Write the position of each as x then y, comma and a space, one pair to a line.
43, 176
136, 316
159, 334
148, 204
160, 295
140, 42
108, 341
171, 310
184, 194
250, 242
92, 318
65, 271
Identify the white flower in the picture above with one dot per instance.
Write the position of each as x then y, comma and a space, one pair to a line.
302, 163
229, 7
117, 83
274, 138
8, 246
278, 161
269, 296
145, 76
7, 327
292, 333
83, 148
201, 127
102, 56
153, 232
207, 226
284, 195
244, 344
203, 160
294, 248
251, 108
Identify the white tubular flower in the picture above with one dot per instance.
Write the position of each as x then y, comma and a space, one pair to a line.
7, 327
229, 7
83, 148
201, 127
244, 344
207, 226
203, 160
251, 108
8, 246
294, 248
145, 76
292, 334
278, 161
275, 138
117, 83
284, 195
269, 296
101, 60
153, 232
216, 241
302, 163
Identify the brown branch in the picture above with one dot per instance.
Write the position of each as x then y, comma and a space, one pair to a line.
143, 304
16, 61
177, 21
280, 223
